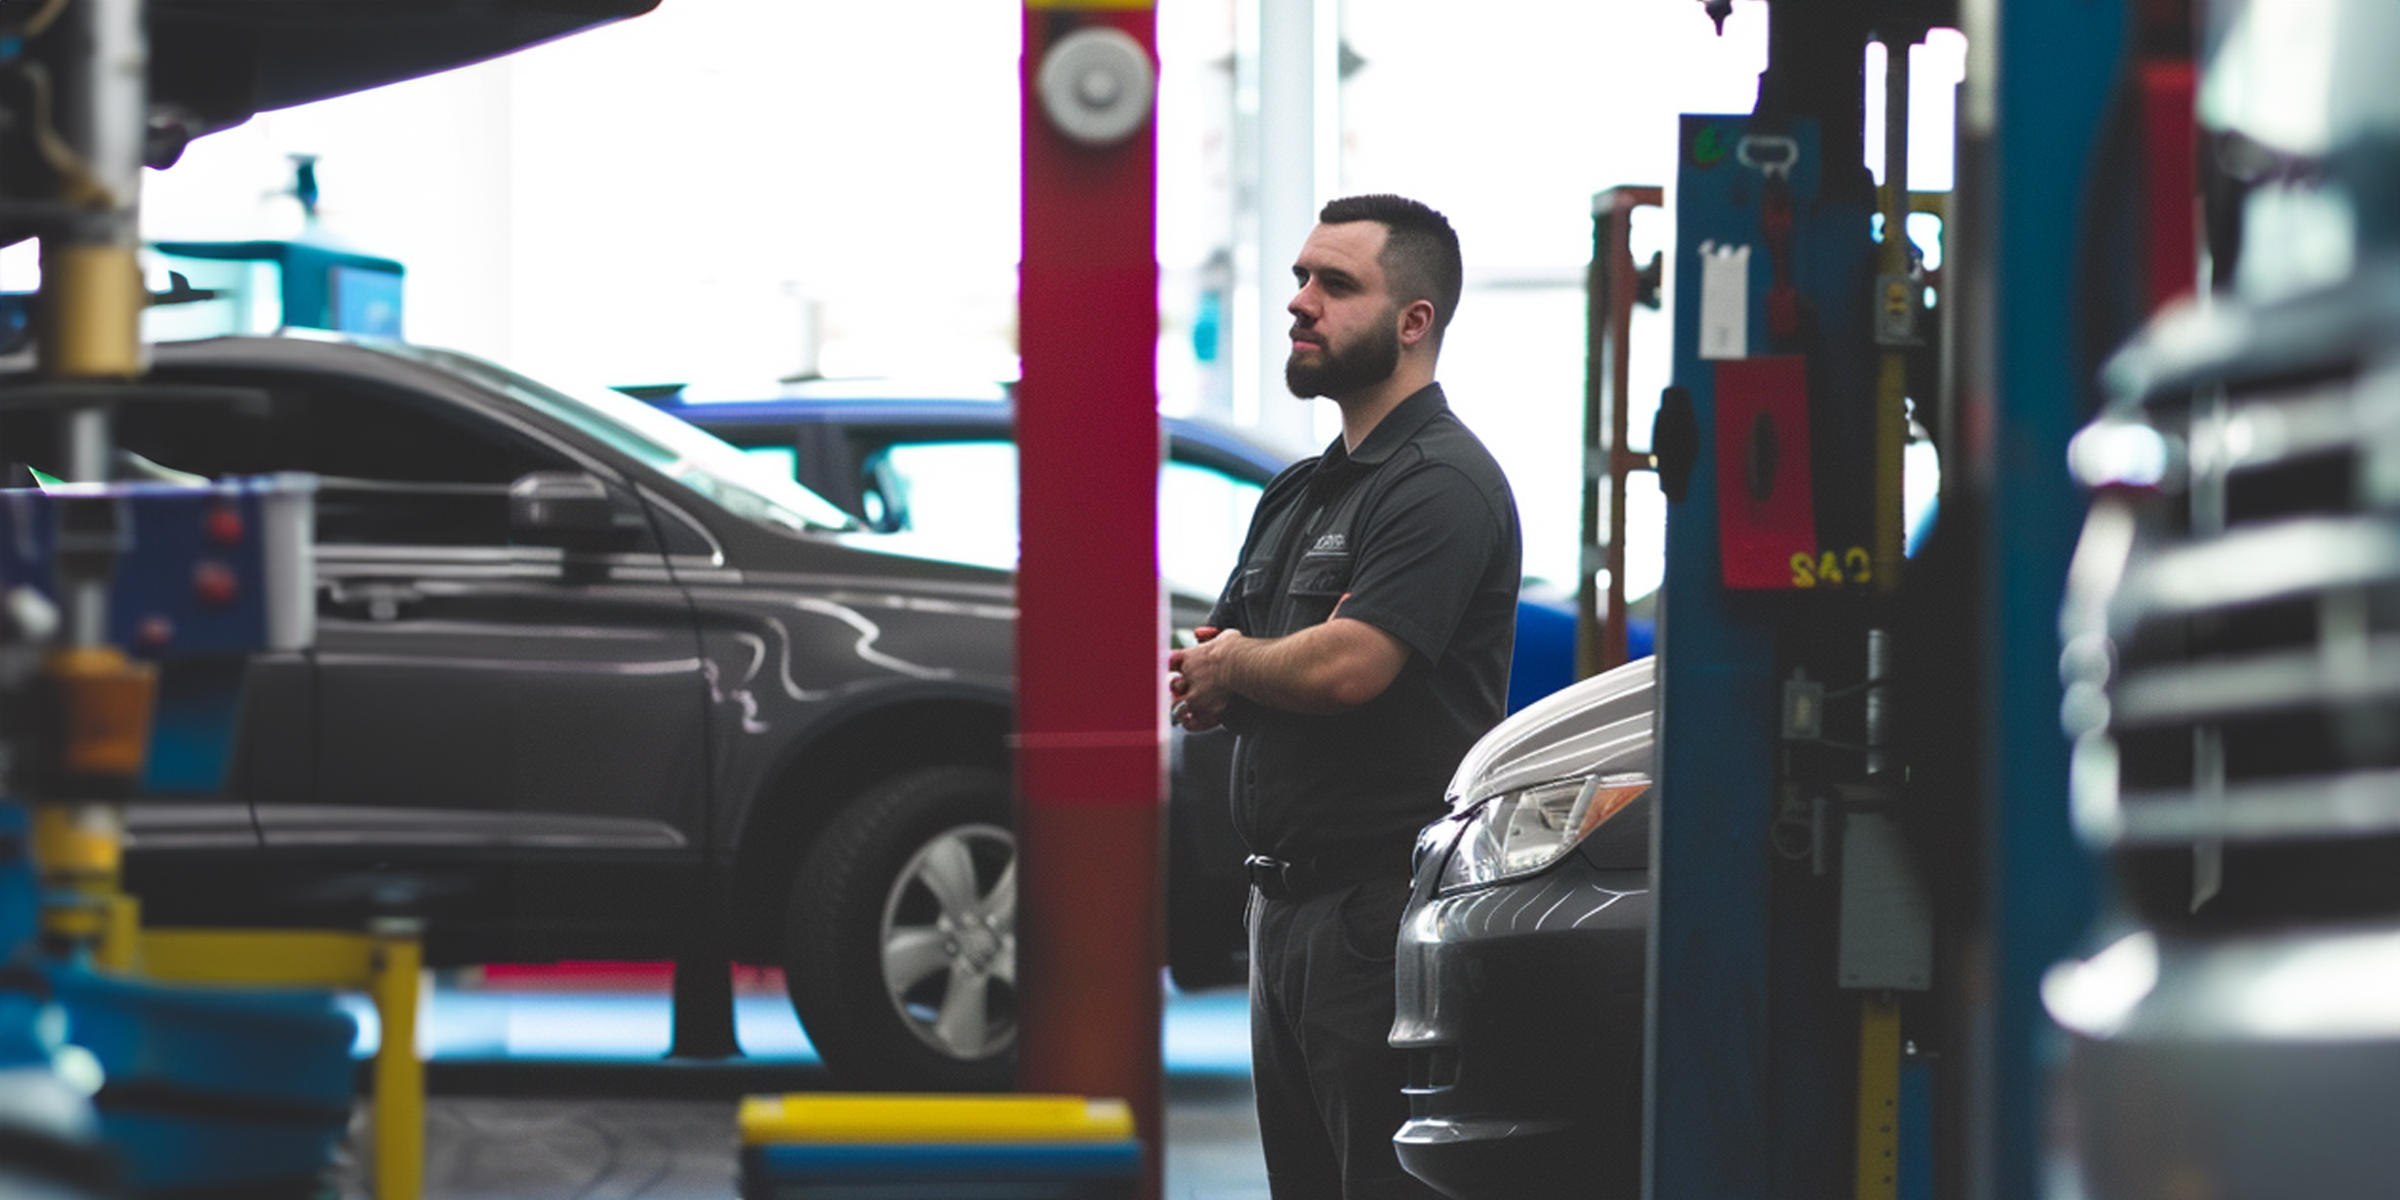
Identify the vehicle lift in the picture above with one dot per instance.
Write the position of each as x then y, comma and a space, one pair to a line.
197, 1088
1863, 862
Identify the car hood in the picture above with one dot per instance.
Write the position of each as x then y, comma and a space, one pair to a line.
1602, 724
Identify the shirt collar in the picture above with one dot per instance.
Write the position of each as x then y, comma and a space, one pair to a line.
1393, 431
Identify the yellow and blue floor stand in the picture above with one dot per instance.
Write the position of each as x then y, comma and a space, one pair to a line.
225, 1060
816, 1146
383, 962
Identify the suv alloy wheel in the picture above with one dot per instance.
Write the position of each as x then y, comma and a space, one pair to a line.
900, 938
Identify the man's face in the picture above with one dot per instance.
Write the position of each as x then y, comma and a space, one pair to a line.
1345, 326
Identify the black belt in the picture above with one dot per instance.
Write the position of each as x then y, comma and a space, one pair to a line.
1296, 879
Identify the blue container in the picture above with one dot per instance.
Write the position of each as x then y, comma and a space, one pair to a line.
234, 1091
943, 1171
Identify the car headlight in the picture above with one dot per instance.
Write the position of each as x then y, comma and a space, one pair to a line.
1518, 833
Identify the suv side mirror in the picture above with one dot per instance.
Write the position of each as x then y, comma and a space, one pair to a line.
568, 509
883, 495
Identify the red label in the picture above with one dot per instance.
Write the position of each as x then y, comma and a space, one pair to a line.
1766, 512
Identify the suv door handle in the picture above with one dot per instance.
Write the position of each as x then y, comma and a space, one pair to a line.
374, 601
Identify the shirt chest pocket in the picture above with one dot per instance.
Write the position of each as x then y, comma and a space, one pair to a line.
1319, 581
1250, 594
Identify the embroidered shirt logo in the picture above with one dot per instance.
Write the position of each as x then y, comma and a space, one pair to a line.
1331, 541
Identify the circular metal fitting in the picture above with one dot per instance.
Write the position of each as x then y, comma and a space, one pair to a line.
1097, 85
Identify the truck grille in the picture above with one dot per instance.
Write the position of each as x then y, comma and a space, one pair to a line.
2232, 620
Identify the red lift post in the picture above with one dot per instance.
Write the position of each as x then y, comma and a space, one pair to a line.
1091, 627
2168, 84
1614, 286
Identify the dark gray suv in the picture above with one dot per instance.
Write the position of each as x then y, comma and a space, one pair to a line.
588, 683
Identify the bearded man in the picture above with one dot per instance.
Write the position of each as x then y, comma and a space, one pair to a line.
1361, 646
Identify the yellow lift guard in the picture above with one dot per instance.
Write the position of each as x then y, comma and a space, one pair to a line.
383, 962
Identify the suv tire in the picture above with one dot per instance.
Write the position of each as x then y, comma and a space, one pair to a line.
900, 935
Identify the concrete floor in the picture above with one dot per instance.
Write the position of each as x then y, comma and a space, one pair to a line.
596, 1116
518, 1148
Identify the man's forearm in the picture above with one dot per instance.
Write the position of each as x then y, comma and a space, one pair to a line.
1323, 669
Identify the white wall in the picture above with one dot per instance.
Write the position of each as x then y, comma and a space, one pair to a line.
660, 199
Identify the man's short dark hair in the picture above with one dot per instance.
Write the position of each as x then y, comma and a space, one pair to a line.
1420, 256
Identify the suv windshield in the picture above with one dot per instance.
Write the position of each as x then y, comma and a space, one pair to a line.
689, 456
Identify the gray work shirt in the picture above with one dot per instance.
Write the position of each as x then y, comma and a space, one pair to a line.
1416, 534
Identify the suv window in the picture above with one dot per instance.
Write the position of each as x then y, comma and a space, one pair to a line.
694, 459
393, 473
957, 501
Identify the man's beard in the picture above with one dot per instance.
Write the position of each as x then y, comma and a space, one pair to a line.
1362, 365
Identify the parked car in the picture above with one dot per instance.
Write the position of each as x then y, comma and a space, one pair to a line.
932, 471
588, 683
1521, 954
935, 466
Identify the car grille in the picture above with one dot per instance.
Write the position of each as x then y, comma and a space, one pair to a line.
2232, 622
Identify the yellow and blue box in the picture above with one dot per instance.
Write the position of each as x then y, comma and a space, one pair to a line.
831, 1146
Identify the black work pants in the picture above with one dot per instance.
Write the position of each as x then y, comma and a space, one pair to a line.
1328, 1081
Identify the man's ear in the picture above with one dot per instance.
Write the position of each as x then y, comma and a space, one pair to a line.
1416, 322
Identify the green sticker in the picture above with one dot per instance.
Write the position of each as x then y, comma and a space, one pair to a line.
1710, 146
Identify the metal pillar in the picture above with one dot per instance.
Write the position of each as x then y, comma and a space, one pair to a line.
1294, 165
94, 57
1091, 627
97, 58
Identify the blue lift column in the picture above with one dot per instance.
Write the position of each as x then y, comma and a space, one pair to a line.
1763, 442
1751, 1077
1863, 830
2046, 173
